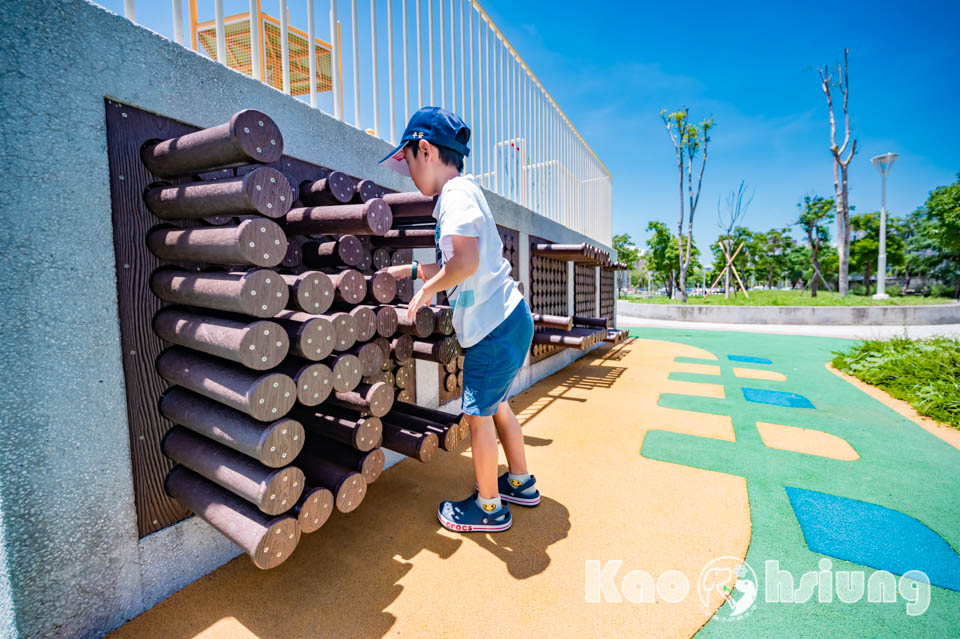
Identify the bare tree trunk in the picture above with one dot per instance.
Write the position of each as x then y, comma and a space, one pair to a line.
726, 275
866, 278
840, 165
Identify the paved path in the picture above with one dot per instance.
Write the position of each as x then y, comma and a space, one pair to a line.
667, 463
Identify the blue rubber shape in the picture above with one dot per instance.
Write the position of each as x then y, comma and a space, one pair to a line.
749, 359
777, 398
873, 536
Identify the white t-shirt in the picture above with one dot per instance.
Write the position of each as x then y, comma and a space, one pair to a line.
490, 294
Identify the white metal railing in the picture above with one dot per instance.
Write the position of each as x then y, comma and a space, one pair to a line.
524, 147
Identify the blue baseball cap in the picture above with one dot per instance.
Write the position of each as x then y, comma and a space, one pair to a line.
435, 125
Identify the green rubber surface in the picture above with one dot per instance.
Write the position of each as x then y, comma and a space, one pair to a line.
901, 467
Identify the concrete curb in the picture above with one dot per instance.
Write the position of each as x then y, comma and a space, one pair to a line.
804, 315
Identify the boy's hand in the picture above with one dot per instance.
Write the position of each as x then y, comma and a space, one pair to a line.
419, 299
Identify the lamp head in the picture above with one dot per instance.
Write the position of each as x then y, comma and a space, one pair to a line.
884, 162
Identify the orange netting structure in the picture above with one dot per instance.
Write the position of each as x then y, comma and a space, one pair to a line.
238, 51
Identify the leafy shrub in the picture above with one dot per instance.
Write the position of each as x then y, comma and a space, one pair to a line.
925, 372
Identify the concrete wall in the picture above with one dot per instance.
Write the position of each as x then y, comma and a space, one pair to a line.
819, 315
71, 563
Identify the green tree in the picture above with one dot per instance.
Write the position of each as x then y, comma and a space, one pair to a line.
688, 140
943, 209
627, 253
864, 250
770, 252
815, 213
659, 245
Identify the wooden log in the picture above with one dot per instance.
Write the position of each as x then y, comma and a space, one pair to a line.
401, 238
272, 490
460, 359
368, 463
405, 290
419, 446
258, 345
311, 336
406, 395
370, 218
294, 255
447, 434
401, 256
401, 348
273, 444
413, 223
345, 371
421, 325
314, 380
366, 317
559, 322
336, 188
384, 345
259, 242
367, 190
310, 291
381, 288
443, 316
347, 427
449, 367
267, 540
371, 357
313, 509
460, 380
346, 250
450, 382
386, 321
349, 286
601, 322
263, 191
403, 377
436, 349
249, 137
345, 328
380, 258
264, 396
375, 399
410, 204
429, 414
348, 486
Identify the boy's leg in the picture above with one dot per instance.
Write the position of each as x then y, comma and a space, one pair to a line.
483, 447
511, 437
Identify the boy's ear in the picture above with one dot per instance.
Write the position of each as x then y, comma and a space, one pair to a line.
424, 146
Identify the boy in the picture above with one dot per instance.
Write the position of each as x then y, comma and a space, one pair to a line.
491, 318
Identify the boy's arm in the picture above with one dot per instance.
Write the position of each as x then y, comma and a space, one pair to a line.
463, 264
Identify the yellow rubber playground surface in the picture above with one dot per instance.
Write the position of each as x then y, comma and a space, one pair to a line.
693, 482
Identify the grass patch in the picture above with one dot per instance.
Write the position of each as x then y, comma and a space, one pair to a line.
794, 298
923, 372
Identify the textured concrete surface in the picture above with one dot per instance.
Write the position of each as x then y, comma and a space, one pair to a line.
931, 314
70, 560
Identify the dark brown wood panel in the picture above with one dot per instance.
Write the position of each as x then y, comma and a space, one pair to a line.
584, 290
127, 129
607, 294
548, 294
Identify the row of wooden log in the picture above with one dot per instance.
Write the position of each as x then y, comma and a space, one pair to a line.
264, 508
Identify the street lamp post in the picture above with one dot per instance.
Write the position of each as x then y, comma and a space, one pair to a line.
883, 163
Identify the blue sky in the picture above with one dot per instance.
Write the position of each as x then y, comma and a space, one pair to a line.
613, 66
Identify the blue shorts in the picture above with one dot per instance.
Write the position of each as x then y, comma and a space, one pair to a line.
490, 365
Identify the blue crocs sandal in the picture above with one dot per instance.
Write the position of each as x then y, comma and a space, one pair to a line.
466, 516
515, 495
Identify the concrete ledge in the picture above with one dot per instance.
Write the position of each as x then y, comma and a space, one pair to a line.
804, 315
